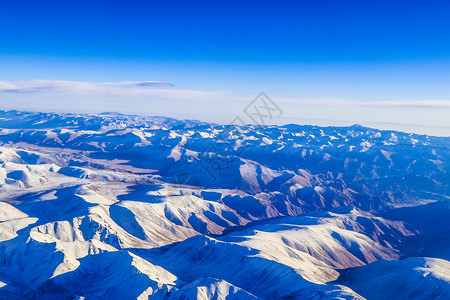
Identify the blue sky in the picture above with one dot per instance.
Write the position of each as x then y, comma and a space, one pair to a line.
377, 63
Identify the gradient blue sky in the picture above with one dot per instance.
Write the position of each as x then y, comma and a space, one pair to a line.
377, 63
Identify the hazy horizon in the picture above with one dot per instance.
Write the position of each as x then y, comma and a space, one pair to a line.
379, 64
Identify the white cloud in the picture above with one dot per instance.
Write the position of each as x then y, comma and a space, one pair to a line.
125, 89
39, 86
165, 90
330, 102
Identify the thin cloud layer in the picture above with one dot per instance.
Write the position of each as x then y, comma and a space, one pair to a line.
445, 104
164, 90
125, 89
40, 86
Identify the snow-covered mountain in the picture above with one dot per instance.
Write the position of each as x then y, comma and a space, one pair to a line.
113, 206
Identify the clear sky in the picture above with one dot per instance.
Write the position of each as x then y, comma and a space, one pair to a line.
383, 64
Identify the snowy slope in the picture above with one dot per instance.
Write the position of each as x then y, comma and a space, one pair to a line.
411, 278
112, 206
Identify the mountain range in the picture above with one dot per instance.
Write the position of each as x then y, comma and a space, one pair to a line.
114, 206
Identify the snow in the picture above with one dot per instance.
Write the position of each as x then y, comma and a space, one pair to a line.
416, 278
115, 206
210, 288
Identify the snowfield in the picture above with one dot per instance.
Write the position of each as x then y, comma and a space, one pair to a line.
111, 206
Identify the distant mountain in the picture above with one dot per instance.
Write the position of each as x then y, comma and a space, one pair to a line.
118, 206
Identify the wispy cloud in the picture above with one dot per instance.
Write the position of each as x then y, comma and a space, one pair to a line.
125, 89
166, 90
40, 86
331, 102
